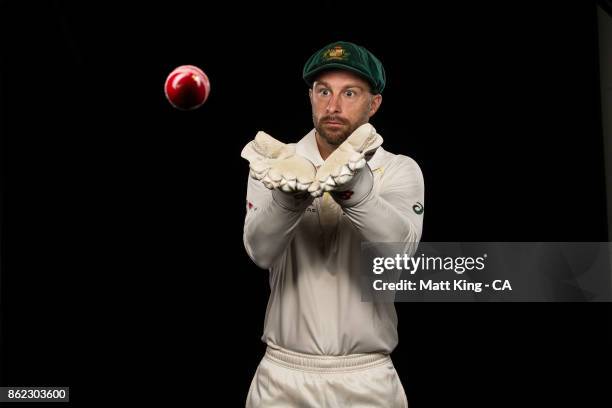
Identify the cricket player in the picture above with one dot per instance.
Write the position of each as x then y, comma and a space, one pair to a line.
309, 207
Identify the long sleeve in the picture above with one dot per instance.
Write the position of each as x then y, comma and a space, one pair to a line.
392, 211
270, 222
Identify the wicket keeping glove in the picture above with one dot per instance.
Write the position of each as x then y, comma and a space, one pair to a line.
277, 165
341, 170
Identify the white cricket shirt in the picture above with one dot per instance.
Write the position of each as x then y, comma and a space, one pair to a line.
312, 250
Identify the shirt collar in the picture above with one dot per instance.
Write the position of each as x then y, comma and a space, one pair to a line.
307, 147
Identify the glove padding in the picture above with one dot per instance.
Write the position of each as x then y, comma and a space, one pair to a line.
277, 165
346, 161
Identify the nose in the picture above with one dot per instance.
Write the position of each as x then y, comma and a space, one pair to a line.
334, 105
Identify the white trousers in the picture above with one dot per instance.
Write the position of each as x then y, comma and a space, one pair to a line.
288, 379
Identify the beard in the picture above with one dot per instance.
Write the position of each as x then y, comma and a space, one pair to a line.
335, 135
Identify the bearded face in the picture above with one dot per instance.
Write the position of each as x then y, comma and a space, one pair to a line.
341, 102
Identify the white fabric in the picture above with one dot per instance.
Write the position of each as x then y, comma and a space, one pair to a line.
312, 249
289, 379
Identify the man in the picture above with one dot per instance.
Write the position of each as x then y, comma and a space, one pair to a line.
309, 207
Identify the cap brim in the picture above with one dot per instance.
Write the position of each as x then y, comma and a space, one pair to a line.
334, 65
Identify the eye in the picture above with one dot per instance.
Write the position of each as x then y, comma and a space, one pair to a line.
323, 92
350, 93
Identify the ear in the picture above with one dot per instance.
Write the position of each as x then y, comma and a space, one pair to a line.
310, 94
376, 101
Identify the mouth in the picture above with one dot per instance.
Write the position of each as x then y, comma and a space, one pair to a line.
333, 123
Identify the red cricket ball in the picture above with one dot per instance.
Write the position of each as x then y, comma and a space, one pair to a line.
187, 87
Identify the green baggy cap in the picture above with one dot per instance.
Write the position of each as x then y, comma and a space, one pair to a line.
348, 56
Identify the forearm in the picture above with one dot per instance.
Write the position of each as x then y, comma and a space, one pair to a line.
378, 221
390, 212
269, 226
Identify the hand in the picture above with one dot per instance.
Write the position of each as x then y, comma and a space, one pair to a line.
341, 167
277, 165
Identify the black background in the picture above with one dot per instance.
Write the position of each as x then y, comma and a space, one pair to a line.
122, 257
